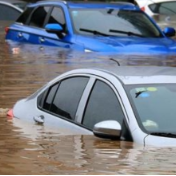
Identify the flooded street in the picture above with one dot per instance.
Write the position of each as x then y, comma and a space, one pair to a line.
32, 149
23, 152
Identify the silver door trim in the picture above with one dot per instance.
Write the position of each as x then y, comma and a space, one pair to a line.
83, 100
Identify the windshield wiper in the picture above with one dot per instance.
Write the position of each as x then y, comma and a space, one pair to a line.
164, 134
124, 32
94, 32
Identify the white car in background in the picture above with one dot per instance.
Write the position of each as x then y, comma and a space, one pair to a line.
117, 102
18, 3
155, 7
9, 12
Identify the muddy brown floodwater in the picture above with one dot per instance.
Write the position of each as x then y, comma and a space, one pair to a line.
33, 149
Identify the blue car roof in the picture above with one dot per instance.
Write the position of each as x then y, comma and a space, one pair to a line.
89, 4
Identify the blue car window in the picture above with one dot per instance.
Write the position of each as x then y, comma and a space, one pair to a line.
102, 105
113, 22
39, 15
8, 13
23, 18
57, 16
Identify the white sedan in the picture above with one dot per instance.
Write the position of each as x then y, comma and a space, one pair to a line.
154, 7
9, 12
117, 102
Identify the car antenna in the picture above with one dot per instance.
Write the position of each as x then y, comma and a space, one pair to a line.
115, 61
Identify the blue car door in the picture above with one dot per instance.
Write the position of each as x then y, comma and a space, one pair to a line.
33, 31
16, 31
57, 16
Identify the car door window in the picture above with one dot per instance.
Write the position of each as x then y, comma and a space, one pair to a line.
154, 8
49, 98
38, 16
8, 13
102, 105
25, 15
67, 97
57, 16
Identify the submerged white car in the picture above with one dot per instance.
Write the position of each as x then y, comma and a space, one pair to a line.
117, 102
155, 7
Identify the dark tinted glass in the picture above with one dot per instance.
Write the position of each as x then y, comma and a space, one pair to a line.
68, 96
102, 105
50, 96
8, 13
38, 17
25, 15
154, 8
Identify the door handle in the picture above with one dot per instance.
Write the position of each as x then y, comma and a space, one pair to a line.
39, 119
42, 40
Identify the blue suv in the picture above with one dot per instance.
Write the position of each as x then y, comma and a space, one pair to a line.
118, 27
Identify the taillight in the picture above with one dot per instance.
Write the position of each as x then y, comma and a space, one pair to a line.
10, 114
143, 9
6, 29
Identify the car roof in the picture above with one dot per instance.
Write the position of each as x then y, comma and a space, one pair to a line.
136, 74
89, 4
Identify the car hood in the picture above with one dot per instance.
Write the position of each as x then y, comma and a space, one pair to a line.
129, 44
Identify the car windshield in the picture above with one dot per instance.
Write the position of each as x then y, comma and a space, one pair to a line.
154, 107
113, 22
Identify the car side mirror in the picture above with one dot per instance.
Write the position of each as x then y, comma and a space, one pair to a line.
110, 129
169, 31
53, 28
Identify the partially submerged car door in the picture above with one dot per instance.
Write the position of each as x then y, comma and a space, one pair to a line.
55, 27
59, 103
103, 104
29, 26
19, 31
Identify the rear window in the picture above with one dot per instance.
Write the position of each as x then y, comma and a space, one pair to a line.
25, 15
